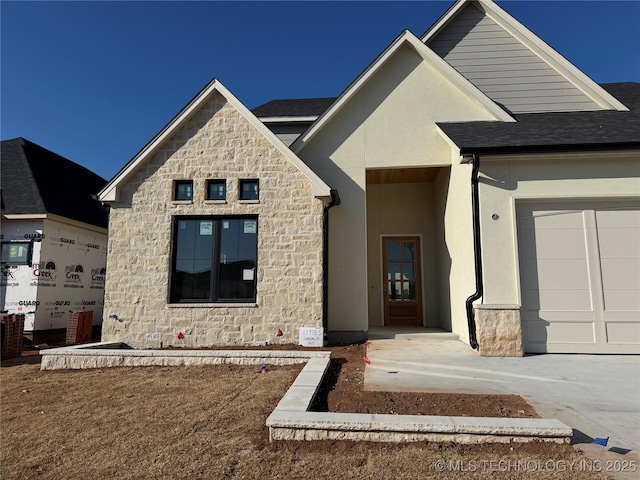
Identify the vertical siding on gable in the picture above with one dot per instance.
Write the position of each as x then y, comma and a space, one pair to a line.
503, 68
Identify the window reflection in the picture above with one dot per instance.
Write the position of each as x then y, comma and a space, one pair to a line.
401, 274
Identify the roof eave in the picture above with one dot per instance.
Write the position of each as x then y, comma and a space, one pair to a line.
541, 149
290, 119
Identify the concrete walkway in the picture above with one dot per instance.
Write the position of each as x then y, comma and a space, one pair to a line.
596, 395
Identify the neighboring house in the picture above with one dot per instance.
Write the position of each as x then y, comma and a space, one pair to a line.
486, 187
54, 238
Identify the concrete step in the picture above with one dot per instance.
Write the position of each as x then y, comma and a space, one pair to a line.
410, 333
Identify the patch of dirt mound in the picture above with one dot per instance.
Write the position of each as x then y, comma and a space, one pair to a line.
343, 391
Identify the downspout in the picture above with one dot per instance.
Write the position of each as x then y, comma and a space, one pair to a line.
335, 200
477, 253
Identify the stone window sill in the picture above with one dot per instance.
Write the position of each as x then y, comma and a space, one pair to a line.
182, 202
212, 305
248, 201
216, 202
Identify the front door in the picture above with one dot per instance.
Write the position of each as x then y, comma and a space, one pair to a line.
401, 288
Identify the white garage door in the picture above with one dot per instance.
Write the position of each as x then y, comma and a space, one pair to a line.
580, 276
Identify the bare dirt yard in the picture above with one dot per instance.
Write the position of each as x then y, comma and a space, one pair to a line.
209, 422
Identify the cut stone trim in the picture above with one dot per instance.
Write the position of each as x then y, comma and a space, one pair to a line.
111, 354
292, 420
498, 330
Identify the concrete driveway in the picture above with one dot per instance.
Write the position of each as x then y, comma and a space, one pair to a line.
596, 395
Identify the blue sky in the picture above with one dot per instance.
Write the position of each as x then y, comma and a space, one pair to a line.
95, 81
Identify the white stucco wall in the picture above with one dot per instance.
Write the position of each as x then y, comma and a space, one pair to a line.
440, 192
458, 234
570, 177
388, 123
402, 209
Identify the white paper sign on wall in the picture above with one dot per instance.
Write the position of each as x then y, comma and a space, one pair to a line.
310, 337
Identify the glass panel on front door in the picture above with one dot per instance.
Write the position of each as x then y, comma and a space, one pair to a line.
402, 291
401, 270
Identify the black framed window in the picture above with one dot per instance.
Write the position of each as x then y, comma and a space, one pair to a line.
17, 253
214, 259
249, 190
216, 190
183, 190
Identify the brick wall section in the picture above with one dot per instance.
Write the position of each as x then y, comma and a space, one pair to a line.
12, 331
79, 327
217, 142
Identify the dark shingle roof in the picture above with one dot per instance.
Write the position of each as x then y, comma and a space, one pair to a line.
556, 131
297, 107
35, 180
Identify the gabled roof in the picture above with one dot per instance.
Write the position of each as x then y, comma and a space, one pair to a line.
110, 192
294, 107
604, 129
406, 38
36, 181
549, 56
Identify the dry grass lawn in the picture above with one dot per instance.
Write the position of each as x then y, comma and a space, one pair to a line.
209, 422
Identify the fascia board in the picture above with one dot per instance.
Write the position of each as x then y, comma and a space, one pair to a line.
535, 44
560, 156
288, 119
24, 216
443, 20
54, 218
406, 37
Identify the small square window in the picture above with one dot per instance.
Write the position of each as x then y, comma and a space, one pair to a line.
183, 190
249, 190
216, 190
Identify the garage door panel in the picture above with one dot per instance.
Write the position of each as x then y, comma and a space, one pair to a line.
625, 217
559, 300
619, 243
558, 332
553, 220
568, 243
620, 274
619, 248
580, 276
622, 301
567, 274
623, 333
551, 316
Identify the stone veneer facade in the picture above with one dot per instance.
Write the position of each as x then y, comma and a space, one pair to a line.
498, 330
216, 143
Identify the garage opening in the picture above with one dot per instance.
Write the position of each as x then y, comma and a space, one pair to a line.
580, 276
